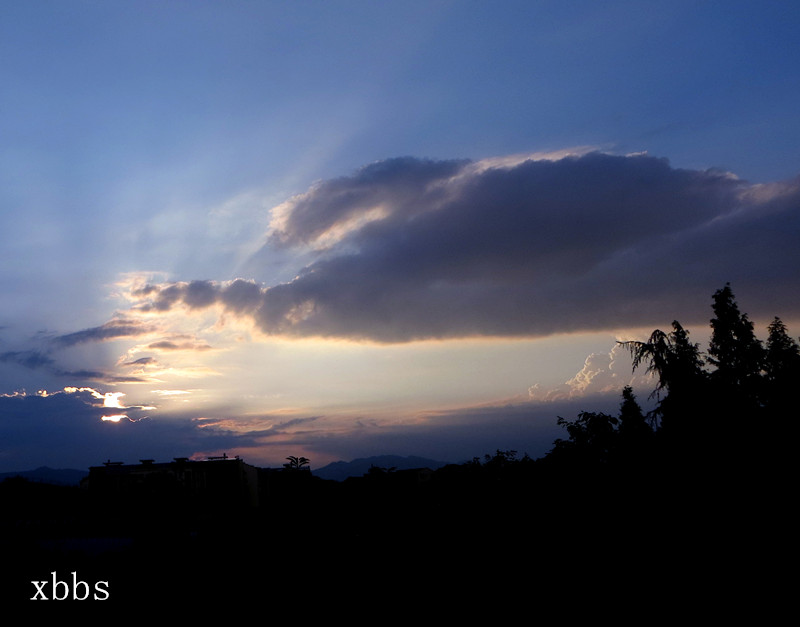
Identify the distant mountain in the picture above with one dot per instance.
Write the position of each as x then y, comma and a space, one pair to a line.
43, 474
339, 471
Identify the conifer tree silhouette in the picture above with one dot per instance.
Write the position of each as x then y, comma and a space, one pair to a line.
633, 427
678, 367
782, 375
734, 350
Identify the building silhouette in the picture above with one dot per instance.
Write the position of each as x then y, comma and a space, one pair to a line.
217, 481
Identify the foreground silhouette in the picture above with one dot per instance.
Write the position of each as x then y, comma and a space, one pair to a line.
636, 507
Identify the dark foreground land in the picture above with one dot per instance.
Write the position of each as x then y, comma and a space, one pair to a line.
685, 514
504, 533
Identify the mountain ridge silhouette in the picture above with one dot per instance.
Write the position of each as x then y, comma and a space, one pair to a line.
45, 474
335, 471
341, 470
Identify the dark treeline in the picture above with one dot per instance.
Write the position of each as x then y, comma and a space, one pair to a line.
727, 410
649, 504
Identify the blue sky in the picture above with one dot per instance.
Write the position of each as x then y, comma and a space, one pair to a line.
349, 228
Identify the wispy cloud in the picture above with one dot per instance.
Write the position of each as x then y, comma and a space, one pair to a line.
171, 345
32, 359
111, 330
38, 360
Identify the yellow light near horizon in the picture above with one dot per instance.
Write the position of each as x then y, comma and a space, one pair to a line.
114, 418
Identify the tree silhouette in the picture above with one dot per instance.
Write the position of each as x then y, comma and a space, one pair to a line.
782, 374
375, 471
500, 458
678, 367
671, 357
633, 425
295, 463
782, 356
591, 438
737, 383
734, 350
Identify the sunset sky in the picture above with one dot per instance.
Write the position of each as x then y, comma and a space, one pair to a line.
348, 228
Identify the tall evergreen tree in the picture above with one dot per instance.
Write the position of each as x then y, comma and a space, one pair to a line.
632, 422
671, 357
782, 371
734, 349
678, 366
738, 386
782, 356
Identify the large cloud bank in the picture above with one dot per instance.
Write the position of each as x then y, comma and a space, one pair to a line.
409, 249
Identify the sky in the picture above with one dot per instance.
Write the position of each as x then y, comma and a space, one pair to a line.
343, 229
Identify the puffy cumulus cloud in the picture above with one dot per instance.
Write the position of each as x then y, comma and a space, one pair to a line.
601, 374
238, 296
410, 249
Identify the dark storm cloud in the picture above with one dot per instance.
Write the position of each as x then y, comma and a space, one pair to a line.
412, 249
65, 429
34, 429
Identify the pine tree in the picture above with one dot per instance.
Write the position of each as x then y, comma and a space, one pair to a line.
736, 398
782, 356
633, 426
782, 371
734, 349
678, 366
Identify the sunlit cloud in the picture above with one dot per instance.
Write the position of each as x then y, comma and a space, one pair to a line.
115, 417
112, 399
511, 161
602, 373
